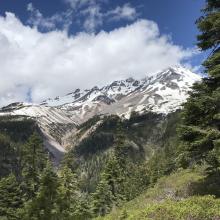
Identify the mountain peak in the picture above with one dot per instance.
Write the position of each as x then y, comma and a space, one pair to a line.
163, 92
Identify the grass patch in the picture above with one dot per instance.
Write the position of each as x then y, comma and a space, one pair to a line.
173, 197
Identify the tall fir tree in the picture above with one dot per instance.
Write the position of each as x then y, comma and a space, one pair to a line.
110, 190
45, 206
33, 161
11, 198
102, 199
200, 128
83, 210
72, 203
68, 191
8, 157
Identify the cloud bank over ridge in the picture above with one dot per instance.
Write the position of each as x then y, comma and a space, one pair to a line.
35, 65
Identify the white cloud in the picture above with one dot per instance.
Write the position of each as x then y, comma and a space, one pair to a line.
93, 18
36, 19
125, 12
76, 4
53, 63
88, 14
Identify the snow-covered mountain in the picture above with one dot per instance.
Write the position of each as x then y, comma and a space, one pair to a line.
163, 93
58, 118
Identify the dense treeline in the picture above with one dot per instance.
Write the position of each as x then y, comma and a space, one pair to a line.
14, 132
22, 159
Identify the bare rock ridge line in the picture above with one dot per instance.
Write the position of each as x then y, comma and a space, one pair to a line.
58, 118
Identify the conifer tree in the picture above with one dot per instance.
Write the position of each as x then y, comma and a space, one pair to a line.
45, 205
68, 193
10, 198
110, 190
8, 159
200, 129
83, 208
33, 159
102, 199
115, 176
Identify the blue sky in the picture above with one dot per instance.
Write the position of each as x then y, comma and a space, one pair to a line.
81, 43
174, 17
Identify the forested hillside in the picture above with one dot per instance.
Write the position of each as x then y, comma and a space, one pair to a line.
15, 133
151, 166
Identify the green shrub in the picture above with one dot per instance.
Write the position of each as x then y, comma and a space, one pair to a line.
193, 208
